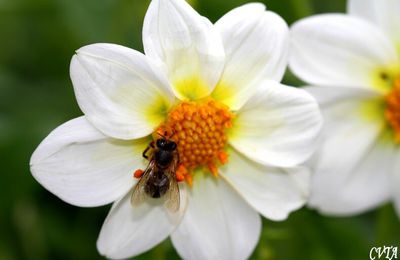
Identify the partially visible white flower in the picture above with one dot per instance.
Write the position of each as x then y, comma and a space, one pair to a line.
355, 61
217, 87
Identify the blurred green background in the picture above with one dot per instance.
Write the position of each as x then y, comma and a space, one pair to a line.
38, 39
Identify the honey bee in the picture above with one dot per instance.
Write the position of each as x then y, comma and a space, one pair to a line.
158, 179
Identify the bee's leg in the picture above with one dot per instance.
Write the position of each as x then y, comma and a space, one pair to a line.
147, 149
145, 153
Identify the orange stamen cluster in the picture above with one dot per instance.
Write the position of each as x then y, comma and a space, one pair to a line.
199, 129
182, 174
392, 112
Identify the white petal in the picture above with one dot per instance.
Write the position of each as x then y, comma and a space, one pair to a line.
129, 231
395, 181
218, 223
351, 165
273, 192
362, 186
339, 50
256, 44
384, 13
187, 44
277, 126
85, 168
119, 90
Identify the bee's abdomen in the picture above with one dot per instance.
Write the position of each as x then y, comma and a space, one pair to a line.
157, 185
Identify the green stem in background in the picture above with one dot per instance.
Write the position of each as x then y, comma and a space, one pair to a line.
302, 8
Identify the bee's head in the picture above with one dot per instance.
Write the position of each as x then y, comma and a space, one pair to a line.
166, 145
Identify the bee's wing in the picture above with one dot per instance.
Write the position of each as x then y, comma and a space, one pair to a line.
172, 197
139, 195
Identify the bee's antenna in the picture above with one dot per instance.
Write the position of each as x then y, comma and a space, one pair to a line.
162, 135
166, 134
173, 133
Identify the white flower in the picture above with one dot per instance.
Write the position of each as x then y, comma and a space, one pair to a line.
228, 73
355, 61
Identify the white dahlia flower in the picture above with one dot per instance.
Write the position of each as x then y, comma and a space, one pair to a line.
240, 134
353, 60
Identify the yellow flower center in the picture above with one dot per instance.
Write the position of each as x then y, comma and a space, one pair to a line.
199, 130
392, 112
